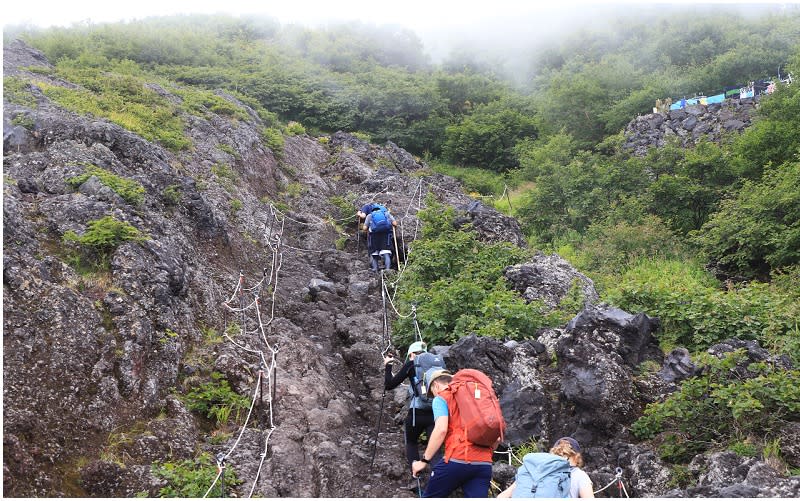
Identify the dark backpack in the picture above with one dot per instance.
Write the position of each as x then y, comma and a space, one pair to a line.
542, 475
478, 406
380, 219
419, 394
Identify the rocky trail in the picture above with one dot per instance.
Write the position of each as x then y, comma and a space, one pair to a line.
97, 362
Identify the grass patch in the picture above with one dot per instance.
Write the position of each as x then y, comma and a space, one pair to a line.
476, 180
226, 176
124, 100
130, 191
18, 91
99, 240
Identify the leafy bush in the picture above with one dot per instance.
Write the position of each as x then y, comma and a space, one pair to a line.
695, 312
216, 400
230, 150
362, 136
345, 207
103, 236
172, 194
191, 478
295, 129
487, 137
759, 229
226, 176
720, 405
202, 103
130, 191
273, 138
611, 246
458, 285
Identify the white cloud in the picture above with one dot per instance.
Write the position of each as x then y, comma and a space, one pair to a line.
415, 14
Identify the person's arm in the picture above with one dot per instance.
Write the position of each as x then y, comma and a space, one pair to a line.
367, 220
508, 492
435, 441
391, 382
585, 489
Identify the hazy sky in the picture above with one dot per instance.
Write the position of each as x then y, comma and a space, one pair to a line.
421, 15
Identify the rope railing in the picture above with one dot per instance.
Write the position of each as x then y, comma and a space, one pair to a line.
250, 303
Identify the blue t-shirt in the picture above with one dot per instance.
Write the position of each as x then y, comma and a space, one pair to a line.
439, 408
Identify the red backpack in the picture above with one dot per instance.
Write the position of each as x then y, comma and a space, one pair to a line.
478, 407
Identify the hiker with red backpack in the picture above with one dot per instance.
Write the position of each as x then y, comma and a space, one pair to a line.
556, 474
420, 413
379, 225
468, 421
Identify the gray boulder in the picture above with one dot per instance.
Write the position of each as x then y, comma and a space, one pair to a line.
549, 279
490, 224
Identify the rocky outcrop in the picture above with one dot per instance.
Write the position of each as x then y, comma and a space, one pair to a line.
689, 125
490, 224
549, 279
728, 475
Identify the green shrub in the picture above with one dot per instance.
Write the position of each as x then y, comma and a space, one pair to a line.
216, 400
230, 150
102, 237
130, 191
758, 230
203, 103
345, 208
226, 176
273, 138
474, 179
295, 129
191, 478
746, 448
172, 194
696, 312
457, 283
362, 136
122, 99
18, 91
26, 121
719, 405
236, 206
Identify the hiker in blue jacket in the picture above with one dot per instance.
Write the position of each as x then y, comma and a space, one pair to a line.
420, 414
379, 225
580, 485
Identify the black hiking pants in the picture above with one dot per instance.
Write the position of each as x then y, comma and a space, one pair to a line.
414, 426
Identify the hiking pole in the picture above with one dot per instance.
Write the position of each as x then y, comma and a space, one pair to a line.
358, 234
378, 429
419, 487
396, 252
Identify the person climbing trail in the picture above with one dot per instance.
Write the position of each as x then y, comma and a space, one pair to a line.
379, 225
420, 412
552, 475
468, 421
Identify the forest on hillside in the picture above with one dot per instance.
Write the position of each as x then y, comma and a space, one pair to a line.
706, 238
